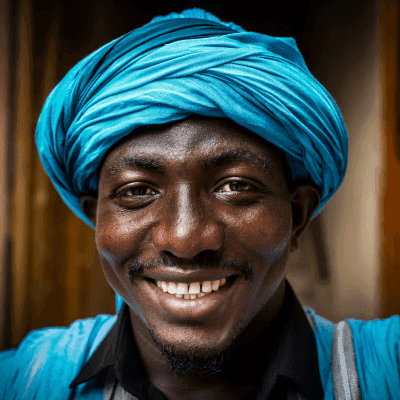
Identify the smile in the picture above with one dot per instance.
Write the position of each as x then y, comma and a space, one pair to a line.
191, 291
189, 296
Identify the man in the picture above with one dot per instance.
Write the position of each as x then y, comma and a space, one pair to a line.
199, 153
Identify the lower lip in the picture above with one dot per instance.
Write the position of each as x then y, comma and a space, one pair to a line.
210, 306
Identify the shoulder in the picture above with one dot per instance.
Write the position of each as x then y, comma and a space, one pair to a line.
377, 355
376, 345
47, 360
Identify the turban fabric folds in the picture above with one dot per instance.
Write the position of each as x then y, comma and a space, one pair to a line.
185, 64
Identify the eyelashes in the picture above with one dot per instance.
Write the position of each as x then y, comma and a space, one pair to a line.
139, 190
237, 186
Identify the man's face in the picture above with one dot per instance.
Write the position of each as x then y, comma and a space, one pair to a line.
202, 200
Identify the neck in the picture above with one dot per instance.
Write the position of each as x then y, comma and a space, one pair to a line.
239, 376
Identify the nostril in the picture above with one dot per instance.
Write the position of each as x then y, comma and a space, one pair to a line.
187, 238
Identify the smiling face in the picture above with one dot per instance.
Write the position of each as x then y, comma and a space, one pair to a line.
189, 207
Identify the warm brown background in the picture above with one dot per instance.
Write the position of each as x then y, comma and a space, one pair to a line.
348, 263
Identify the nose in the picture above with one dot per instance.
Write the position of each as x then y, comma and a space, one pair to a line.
187, 226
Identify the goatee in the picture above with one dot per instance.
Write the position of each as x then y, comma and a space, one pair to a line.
193, 361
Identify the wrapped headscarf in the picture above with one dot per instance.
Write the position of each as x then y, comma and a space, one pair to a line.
185, 64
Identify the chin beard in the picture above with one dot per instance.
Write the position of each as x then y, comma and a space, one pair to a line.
193, 361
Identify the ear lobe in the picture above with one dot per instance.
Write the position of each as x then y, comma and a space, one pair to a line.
89, 207
305, 200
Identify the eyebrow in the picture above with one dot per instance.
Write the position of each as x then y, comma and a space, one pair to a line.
208, 163
135, 162
237, 155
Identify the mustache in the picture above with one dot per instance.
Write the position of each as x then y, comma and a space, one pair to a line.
204, 260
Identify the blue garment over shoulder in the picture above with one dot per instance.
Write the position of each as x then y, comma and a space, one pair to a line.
48, 360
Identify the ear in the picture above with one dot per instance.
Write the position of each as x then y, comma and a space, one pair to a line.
305, 200
89, 207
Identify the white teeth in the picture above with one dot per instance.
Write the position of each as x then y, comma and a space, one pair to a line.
194, 288
215, 285
172, 288
206, 287
182, 288
191, 291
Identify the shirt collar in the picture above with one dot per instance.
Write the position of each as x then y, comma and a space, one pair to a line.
295, 355
117, 350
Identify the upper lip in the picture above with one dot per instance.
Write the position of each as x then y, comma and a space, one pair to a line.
188, 276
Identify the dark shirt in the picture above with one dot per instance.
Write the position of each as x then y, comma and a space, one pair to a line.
291, 366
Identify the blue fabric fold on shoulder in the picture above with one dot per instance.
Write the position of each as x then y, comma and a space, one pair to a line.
184, 64
48, 360
377, 352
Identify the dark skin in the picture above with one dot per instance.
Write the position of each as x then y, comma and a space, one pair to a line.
173, 201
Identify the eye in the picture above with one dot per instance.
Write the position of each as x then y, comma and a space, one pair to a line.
237, 186
135, 196
136, 191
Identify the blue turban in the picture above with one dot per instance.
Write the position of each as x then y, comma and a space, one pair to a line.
185, 64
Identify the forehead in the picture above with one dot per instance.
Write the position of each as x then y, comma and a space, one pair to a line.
209, 140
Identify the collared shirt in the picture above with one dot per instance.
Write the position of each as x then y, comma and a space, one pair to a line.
291, 365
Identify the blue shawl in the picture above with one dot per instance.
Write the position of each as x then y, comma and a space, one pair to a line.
48, 360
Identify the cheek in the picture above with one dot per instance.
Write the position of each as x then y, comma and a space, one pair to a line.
113, 260
117, 244
120, 235
265, 230
266, 238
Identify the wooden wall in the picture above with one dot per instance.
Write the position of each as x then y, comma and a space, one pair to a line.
56, 276
390, 73
5, 55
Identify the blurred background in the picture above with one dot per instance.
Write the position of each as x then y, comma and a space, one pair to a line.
348, 264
